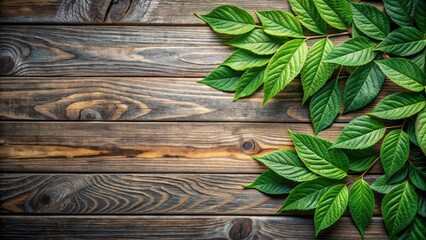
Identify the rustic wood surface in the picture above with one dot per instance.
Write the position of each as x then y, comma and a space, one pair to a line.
105, 134
207, 194
175, 51
145, 147
181, 227
170, 12
153, 99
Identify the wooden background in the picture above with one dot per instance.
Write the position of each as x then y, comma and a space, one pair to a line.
105, 133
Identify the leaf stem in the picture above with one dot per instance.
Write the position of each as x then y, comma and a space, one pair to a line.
365, 172
258, 26
328, 35
338, 74
394, 127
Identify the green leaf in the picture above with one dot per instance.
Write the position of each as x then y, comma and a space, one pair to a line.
361, 204
399, 11
418, 173
394, 151
419, 60
371, 21
421, 130
330, 207
420, 15
354, 52
361, 159
230, 20
399, 176
223, 79
249, 82
362, 86
258, 42
325, 106
284, 66
279, 23
383, 186
315, 153
415, 230
288, 165
356, 32
306, 196
271, 183
422, 206
308, 15
399, 207
361, 132
404, 41
337, 13
399, 105
242, 59
412, 132
316, 72
403, 72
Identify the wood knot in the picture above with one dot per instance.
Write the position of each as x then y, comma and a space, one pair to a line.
241, 229
117, 10
249, 146
90, 114
7, 64
45, 200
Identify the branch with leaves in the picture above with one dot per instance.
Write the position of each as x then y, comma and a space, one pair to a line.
387, 45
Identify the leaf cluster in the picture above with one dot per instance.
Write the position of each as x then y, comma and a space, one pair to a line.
385, 45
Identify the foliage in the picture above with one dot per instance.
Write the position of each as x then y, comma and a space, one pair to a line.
384, 44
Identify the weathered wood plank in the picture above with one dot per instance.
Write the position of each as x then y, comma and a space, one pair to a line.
179, 227
123, 11
143, 147
148, 99
112, 50
208, 194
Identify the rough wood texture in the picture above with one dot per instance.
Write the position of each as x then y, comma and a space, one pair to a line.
122, 11
143, 147
208, 194
175, 178
180, 227
112, 50
148, 99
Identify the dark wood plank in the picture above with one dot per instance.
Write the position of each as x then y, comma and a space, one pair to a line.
179, 227
148, 99
143, 147
123, 11
111, 50
207, 194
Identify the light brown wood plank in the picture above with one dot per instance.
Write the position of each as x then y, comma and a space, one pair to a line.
207, 194
123, 11
112, 50
143, 147
148, 99
180, 227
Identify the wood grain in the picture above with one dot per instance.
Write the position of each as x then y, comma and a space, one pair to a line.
123, 11
180, 227
148, 99
112, 50
144, 147
207, 194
